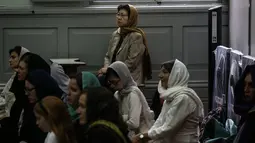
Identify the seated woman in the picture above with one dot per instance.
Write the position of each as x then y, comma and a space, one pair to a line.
133, 105
100, 111
128, 44
77, 83
38, 85
12, 95
52, 117
245, 106
15, 54
30, 62
158, 101
182, 110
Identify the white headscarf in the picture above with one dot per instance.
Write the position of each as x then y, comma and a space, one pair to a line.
7, 98
23, 51
178, 84
9, 83
130, 85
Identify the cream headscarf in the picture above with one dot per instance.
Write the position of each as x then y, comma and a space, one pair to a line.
130, 85
23, 51
178, 84
9, 83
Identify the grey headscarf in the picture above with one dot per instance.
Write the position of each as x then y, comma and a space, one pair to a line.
129, 85
123, 72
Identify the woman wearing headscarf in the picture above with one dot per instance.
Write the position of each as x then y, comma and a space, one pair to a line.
182, 109
15, 54
30, 62
14, 97
39, 84
157, 101
133, 105
129, 45
245, 105
77, 83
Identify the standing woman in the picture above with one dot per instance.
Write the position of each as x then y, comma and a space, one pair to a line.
129, 45
182, 109
52, 117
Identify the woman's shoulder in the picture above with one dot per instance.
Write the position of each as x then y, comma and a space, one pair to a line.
136, 36
51, 138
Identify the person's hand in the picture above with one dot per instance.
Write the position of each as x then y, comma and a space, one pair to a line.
103, 70
136, 139
99, 72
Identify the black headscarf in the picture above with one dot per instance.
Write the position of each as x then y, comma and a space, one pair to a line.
35, 62
44, 84
241, 106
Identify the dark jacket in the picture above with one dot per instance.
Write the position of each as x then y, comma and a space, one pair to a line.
45, 85
247, 131
156, 105
9, 126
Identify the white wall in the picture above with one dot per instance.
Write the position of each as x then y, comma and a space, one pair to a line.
253, 28
239, 25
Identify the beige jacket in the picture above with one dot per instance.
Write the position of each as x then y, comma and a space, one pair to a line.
131, 53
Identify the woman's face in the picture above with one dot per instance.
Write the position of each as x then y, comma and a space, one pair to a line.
74, 92
22, 71
31, 92
14, 60
122, 18
164, 76
42, 123
81, 110
115, 83
248, 90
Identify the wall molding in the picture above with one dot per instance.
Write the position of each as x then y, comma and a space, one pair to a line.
95, 9
154, 84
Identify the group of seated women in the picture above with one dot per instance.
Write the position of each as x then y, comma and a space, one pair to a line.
52, 107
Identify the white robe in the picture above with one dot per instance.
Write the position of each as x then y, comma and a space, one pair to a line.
182, 110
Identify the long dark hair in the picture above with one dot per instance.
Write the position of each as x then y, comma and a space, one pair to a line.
102, 105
